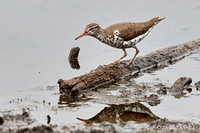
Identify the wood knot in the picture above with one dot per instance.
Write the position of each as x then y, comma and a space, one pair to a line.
60, 81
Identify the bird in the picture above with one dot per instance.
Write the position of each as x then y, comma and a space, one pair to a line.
121, 35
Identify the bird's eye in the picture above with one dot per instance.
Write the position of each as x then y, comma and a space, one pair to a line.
92, 28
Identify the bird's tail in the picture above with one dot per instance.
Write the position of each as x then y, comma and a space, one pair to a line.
160, 19
156, 20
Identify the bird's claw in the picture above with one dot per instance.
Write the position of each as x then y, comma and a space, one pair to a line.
126, 63
112, 63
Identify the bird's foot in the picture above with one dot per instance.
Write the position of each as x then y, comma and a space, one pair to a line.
112, 63
126, 63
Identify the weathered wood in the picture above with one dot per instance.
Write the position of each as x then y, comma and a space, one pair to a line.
106, 74
73, 55
73, 58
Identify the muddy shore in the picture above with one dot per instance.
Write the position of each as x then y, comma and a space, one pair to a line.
23, 122
133, 116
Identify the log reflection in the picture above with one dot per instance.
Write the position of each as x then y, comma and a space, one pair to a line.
74, 64
63, 99
73, 58
123, 113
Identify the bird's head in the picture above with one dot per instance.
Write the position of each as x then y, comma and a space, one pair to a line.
91, 30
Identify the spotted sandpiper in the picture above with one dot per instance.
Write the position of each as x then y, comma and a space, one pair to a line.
122, 35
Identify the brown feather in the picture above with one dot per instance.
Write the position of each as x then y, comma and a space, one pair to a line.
131, 30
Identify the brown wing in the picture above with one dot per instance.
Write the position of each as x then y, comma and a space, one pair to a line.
130, 30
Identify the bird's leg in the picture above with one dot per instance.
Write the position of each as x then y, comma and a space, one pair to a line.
137, 51
125, 54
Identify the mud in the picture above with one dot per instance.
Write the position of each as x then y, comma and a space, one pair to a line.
158, 126
37, 129
151, 123
11, 122
133, 115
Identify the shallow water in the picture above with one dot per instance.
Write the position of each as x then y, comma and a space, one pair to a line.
37, 35
185, 108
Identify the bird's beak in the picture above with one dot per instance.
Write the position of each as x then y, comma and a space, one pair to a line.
81, 35
83, 120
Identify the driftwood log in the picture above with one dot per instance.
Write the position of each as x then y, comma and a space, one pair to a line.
104, 75
73, 55
73, 58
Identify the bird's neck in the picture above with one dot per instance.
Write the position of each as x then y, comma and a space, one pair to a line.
105, 38
101, 36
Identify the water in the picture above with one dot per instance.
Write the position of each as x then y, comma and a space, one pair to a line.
37, 35
186, 108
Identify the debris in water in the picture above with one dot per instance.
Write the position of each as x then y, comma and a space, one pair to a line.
153, 100
197, 85
73, 58
1, 121
48, 119
180, 84
73, 55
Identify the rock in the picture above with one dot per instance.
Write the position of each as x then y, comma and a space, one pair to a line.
153, 100
162, 91
180, 84
1, 121
25, 114
178, 95
189, 90
197, 85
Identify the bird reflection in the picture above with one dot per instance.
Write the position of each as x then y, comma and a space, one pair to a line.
123, 113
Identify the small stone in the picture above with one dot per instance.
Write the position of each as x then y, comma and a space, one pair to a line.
162, 91
25, 114
197, 85
153, 100
48, 119
180, 84
1, 121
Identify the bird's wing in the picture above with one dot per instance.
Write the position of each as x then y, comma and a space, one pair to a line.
131, 30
